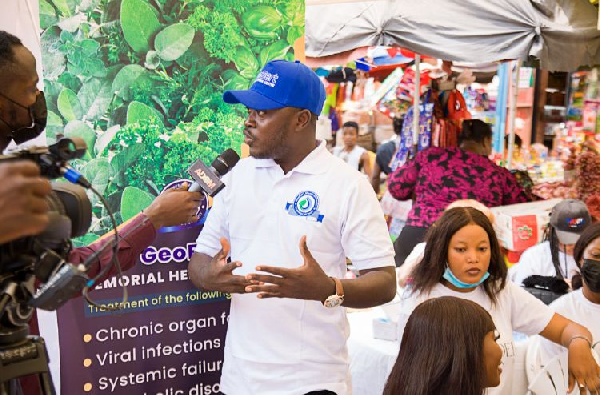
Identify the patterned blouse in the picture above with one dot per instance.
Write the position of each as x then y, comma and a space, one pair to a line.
440, 176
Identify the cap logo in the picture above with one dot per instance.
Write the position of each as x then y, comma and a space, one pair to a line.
267, 78
575, 222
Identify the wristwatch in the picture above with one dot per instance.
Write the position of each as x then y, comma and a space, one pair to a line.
337, 299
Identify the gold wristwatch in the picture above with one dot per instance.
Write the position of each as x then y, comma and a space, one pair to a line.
337, 299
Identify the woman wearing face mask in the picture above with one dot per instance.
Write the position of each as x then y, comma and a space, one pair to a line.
463, 259
583, 304
449, 347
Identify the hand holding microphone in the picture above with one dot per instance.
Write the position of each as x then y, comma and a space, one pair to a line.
180, 205
173, 207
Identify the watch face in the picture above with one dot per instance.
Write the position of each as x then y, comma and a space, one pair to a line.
333, 301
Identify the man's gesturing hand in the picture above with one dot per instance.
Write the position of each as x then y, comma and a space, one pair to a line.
23, 205
308, 281
216, 274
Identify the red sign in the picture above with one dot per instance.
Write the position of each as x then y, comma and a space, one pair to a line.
524, 232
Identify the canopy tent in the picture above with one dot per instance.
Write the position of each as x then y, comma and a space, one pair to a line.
563, 34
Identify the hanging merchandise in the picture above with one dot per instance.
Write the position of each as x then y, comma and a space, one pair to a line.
344, 74
390, 104
405, 151
334, 117
577, 95
450, 113
387, 85
407, 86
457, 108
330, 97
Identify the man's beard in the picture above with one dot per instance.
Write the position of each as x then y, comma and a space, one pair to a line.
276, 149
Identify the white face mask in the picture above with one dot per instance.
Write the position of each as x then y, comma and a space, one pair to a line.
452, 279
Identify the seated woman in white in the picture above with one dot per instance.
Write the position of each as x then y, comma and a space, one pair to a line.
568, 220
463, 259
583, 304
415, 256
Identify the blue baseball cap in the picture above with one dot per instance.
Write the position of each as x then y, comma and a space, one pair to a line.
282, 84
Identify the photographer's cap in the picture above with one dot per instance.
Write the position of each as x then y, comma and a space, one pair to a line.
570, 218
282, 84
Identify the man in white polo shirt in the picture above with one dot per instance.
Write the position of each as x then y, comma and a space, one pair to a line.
288, 218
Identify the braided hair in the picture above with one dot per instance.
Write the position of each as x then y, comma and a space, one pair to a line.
552, 238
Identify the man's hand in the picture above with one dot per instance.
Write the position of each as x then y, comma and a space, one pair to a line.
216, 274
308, 281
23, 205
173, 207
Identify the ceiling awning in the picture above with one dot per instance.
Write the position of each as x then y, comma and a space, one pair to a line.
561, 33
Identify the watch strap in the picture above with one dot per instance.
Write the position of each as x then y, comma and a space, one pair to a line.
339, 289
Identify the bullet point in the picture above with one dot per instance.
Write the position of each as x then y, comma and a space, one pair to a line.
87, 387
87, 338
87, 362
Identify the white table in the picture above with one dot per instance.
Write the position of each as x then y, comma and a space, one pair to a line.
371, 360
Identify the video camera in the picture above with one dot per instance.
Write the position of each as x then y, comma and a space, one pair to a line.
38, 257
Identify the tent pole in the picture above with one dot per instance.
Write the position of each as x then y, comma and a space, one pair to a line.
417, 99
513, 114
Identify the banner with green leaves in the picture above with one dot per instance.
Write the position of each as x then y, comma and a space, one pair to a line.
142, 80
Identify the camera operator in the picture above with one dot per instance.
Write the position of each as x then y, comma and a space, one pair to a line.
23, 208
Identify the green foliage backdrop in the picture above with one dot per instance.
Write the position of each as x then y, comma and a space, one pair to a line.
142, 81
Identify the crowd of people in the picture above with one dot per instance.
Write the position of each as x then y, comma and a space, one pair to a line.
449, 260
281, 250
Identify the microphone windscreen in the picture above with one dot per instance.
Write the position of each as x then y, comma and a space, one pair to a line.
225, 161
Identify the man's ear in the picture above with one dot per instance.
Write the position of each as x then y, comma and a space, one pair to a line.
303, 119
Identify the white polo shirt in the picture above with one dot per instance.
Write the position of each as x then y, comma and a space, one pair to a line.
264, 213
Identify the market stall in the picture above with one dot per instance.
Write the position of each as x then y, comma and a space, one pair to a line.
563, 35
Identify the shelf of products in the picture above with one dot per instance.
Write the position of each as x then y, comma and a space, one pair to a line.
551, 90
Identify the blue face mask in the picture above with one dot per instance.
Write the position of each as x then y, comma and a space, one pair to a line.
451, 278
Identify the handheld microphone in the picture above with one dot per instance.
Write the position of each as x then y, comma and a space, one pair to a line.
208, 179
69, 279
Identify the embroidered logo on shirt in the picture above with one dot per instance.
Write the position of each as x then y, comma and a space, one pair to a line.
306, 204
